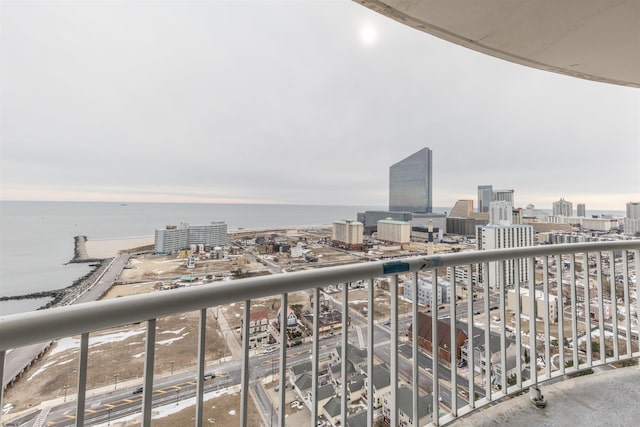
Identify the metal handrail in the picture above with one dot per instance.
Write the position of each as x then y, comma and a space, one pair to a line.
33, 327
23, 329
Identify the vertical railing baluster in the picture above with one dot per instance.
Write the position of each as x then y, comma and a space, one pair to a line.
2, 357
147, 393
533, 354
614, 305
371, 350
345, 353
435, 353
284, 308
202, 346
414, 347
503, 335
574, 310
315, 356
394, 351
518, 311
599, 284
244, 374
559, 287
587, 305
487, 340
636, 257
82, 378
547, 321
454, 345
627, 305
470, 345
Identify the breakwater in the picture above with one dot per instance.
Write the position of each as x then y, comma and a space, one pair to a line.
65, 296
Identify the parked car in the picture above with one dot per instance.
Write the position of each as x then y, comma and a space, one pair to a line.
138, 390
209, 376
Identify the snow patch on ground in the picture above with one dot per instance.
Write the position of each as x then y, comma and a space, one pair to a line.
94, 341
64, 362
138, 355
42, 369
171, 340
179, 331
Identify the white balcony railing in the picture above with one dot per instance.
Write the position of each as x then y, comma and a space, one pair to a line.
577, 268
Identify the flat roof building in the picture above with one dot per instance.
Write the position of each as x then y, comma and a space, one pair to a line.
393, 231
347, 234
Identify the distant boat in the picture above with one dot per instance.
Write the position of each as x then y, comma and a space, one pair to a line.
123, 204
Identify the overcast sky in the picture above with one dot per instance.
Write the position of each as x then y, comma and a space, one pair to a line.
289, 102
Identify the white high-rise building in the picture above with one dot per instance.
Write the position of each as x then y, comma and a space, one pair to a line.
503, 196
173, 239
633, 210
393, 231
500, 213
348, 234
562, 208
500, 237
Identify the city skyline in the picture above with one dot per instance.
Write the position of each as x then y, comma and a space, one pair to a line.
301, 103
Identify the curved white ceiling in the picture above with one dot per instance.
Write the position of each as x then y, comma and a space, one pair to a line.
591, 39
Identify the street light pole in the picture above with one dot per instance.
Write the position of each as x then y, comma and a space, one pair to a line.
172, 362
109, 417
66, 387
115, 381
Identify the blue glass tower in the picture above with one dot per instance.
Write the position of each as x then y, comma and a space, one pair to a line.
410, 183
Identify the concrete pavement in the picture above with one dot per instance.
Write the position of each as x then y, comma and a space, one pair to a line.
601, 399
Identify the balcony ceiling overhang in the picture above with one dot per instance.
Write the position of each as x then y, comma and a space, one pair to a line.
591, 39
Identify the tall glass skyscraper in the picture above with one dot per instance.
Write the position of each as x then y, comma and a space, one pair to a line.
410, 183
485, 193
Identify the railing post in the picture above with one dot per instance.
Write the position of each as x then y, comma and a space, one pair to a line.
518, 326
454, 348
315, 356
2, 357
394, 351
147, 393
547, 321
559, 287
82, 378
587, 306
614, 305
244, 385
487, 340
599, 284
414, 348
370, 329
202, 345
470, 345
574, 310
503, 338
435, 353
627, 305
284, 308
345, 353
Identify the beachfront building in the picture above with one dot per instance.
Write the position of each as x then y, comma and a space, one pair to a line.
176, 238
347, 234
393, 231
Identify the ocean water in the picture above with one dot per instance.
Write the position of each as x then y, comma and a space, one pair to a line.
36, 238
